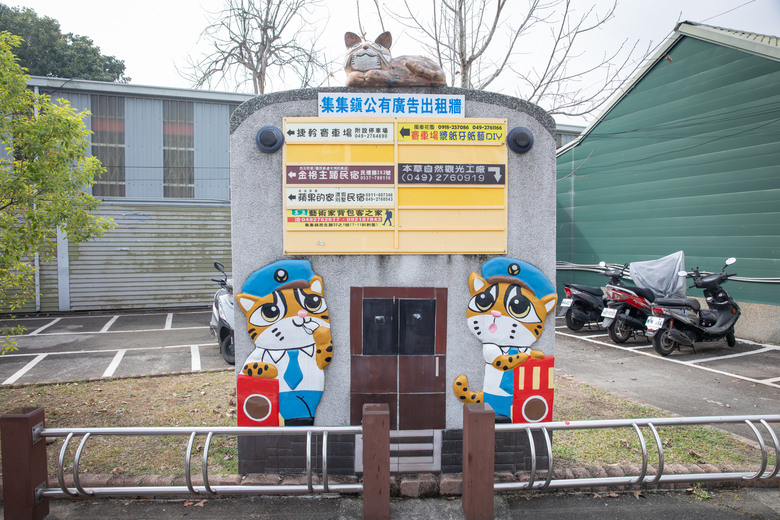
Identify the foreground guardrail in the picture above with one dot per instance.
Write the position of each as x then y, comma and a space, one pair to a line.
26, 494
478, 480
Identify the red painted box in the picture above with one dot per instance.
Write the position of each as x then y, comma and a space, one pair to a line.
534, 391
258, 401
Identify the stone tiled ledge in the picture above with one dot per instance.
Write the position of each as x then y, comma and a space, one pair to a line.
421, 485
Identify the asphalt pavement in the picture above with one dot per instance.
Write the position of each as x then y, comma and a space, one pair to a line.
716, 380
746, 503
77, 347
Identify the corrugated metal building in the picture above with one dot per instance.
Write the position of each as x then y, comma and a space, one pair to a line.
167, 187
686, 157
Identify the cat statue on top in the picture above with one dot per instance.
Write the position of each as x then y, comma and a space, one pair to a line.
369, 64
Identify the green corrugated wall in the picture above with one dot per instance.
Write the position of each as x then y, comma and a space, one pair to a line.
688, 160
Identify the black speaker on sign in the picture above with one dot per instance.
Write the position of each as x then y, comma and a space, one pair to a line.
520, 139
269, 139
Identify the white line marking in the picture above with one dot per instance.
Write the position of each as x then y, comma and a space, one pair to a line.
168, 321
102, 351
596, 336
729, 356
111, 332
109, 315
39, 330
773, 380
195, 358
108, 325
19, 373
114, 363
691, 364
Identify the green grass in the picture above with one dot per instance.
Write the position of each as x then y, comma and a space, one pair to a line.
680, 444
208, 399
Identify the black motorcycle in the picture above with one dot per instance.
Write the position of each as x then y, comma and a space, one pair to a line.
683, 322
583, 304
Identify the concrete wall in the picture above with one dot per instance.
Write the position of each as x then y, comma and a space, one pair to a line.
256, 194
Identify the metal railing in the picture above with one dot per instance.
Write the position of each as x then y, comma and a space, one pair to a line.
479, 483
86, 433
25, 471
643, 478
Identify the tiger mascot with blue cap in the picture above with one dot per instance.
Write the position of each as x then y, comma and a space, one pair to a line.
288, 321
509, 303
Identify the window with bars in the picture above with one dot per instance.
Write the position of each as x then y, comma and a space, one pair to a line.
108, 144
178, 149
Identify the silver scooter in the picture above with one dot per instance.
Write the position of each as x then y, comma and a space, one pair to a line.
221, 325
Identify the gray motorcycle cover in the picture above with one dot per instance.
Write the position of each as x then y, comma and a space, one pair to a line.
660, 276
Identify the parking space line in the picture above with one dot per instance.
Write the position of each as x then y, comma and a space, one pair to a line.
739, 354
773, 380
98, 316
195, 358
103, 351
40, 329
108, 325
691, 364
168, 321
114, 363
26, 368
108, 331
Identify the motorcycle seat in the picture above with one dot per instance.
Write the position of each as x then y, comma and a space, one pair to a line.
595, 291
679, 302
647, 294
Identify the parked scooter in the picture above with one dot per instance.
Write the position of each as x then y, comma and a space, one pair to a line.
683, 322
222, 316
583, 304
629, 307
627, 311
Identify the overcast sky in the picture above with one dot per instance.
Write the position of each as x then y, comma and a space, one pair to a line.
153, 37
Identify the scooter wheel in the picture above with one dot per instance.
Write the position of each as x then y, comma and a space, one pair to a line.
731, 340
619, 331
663, 344
227, 347
572, 322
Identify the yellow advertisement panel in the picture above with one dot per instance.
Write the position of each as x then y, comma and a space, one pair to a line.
459, 132
325, 153
339, 219
394, 185
450, 197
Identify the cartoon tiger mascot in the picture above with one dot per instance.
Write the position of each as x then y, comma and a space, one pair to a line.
509, 304
288, 321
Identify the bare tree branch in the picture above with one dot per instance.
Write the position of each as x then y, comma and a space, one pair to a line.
254, 42
482, 40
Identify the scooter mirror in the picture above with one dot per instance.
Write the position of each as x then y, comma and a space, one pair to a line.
731, 261
682, 273
219, 266
602, 264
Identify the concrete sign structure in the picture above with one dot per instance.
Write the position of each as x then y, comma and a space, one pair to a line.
395, 212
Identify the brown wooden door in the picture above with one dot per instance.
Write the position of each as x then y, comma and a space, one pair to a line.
398, 342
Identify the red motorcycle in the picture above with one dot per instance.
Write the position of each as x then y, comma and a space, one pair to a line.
627, 311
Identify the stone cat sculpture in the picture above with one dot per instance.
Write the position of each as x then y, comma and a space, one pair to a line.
369, 64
